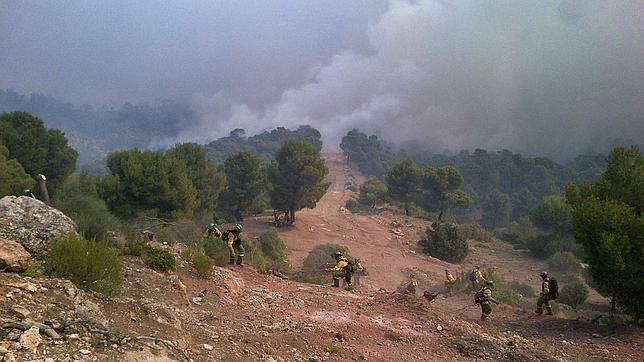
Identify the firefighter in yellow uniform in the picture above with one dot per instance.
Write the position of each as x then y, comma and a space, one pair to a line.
544, 296
343, 268
476, 278
412, 284
212, 231
449, 282
235, 246
486, 307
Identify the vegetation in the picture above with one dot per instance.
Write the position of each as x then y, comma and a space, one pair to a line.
404, 181
207, 181
159, 259
37, 149
78, 198
573, 294
564, 262
445, 243
196, 256
148, 182
245, 184
372, 156
297, 178
264, 145
372, 193
88, 264
13, 178
474, 231
609, 224
274, 249
441, 190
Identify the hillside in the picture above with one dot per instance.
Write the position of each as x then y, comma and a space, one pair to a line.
239, 314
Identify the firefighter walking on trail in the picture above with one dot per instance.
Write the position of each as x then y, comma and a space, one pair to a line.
449, 282
476, 278
343, 268
549, 291
412, 284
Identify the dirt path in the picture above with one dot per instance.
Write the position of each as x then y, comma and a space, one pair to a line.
367, 236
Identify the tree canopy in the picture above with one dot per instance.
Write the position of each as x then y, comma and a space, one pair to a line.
245, 184
441, 190
13, 178
297, 177
148, 182
404, 181
608, 221
39, 150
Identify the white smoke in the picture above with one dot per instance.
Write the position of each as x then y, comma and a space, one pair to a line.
544, 77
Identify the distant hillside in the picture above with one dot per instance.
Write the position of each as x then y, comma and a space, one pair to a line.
94, 132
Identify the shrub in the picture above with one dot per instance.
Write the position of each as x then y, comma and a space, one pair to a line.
159, 259
445, 243
474, 231
519, 232
195, 255
274, 249
523, 289
352, 205
504, 293
88, 264
573, 294
564, 262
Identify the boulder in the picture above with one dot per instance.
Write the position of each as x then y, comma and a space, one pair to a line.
32, 223
30, 339
13, 257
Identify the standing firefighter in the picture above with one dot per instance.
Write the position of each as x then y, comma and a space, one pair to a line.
449, 282
231, 237
412, 284
343, 268
476, 278
212, 231
484, 298
549, 291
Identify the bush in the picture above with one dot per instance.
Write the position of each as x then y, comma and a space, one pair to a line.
519, 232
445, 243
273, 249
352, 205
544, 245
159, 259
195, 255
573, 294
88, 264
523, 289
564, 262
505, 292
474, 231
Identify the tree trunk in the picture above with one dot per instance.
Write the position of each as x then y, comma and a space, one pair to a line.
612, 304
292, 216
407, 209
42, 180
440, 215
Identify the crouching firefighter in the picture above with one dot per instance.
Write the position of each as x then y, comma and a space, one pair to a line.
484, 298
235, 247
343, 268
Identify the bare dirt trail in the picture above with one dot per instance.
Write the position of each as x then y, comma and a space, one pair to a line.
368, 237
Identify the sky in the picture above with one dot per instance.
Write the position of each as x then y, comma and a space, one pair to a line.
546, 77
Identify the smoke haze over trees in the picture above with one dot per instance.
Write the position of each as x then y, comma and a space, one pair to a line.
551, 78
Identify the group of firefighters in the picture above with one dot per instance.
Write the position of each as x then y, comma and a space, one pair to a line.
348, 269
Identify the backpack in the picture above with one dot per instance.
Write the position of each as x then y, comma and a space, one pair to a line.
473, 276
350, 266
224, 235
479, 297
553, 290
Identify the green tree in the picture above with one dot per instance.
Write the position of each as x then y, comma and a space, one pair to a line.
553, 215
495, 210
245, 184
203, 174
13, 178
297, 178
608, 221
372, 193
441, 190
149, 182
39, 150
404, 181
446, 243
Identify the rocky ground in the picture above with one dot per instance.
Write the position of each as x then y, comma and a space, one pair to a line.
239, 314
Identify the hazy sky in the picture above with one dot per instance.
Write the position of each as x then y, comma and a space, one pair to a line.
536, 76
